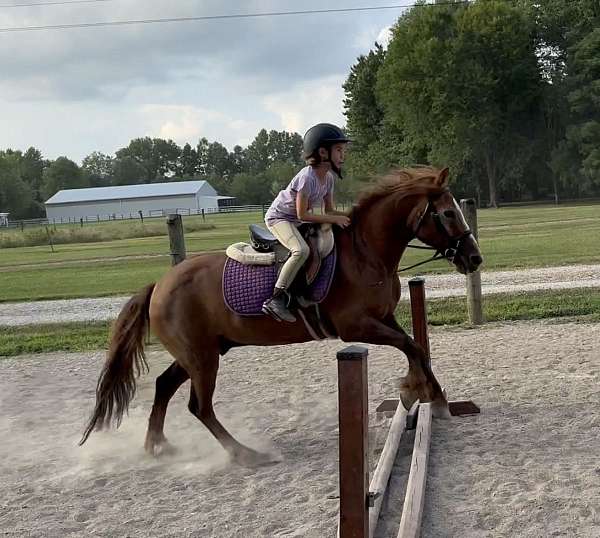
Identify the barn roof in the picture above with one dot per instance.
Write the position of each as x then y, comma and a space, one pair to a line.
176, 188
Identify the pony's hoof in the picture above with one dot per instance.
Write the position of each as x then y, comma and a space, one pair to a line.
440, 409
408, 395
246, 457
407, 400
163, 448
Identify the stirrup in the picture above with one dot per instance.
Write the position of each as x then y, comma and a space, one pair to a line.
283, 297
269, 312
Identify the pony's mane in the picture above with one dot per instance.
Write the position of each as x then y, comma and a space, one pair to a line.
403, 182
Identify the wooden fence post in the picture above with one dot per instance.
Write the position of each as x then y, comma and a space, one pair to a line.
418, 309
176, 238
474, 301
49, 238
353, 411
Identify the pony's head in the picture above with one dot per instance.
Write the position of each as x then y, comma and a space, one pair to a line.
438, 221
431, 212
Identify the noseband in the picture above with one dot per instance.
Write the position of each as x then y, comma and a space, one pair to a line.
454, 243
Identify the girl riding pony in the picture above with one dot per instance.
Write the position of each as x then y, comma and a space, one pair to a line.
324, 149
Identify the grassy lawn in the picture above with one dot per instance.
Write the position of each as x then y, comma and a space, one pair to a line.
50, 236
510, 238
93, 280
55, 337
568, 304
226, 228
512, 307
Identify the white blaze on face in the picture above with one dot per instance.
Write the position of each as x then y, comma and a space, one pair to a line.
459, 213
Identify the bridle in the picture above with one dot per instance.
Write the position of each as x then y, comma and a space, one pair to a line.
454, 242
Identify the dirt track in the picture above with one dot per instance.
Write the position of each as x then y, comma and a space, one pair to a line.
528, 466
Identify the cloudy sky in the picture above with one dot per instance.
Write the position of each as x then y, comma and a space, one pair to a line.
72, 91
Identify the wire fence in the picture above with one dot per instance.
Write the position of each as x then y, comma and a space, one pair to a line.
161, 213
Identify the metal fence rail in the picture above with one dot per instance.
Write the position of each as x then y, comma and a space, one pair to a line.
152, 214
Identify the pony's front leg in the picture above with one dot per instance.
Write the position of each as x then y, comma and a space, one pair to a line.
419, 383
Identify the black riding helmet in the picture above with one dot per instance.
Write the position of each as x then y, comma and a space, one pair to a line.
323, 135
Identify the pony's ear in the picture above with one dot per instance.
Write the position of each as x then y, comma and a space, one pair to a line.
442, 179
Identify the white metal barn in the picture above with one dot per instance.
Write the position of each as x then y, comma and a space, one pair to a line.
127, 201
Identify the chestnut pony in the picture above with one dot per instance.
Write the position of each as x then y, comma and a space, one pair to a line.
186, 310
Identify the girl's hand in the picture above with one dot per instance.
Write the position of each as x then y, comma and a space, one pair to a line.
341, 220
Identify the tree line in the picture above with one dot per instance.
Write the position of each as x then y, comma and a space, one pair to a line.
506, 93
252, 174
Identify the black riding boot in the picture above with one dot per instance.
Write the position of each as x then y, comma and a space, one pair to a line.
277, 306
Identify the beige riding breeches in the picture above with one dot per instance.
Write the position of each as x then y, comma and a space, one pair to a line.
289, 236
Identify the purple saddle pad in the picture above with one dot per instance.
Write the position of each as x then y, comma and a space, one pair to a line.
247, 287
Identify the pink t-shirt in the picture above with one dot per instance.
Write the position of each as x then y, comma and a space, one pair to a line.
307, 182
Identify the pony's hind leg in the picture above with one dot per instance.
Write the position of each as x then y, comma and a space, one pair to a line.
167, 384
204, 377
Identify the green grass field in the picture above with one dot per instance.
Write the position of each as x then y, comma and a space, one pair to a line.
53, 337
510, 238
226, 228
569, 304
95, 233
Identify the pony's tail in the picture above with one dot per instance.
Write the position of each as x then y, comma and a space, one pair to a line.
116, 384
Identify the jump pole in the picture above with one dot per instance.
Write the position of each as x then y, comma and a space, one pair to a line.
418, 310
381, 476
360, 501
414, 498
353, 412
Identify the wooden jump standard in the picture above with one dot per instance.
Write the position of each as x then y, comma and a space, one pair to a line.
360, 501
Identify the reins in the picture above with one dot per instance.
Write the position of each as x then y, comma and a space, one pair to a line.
449, 253
437, 256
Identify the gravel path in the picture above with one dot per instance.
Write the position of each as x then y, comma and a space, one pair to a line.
450, 285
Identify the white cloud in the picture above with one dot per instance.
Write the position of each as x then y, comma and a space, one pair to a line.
76, 91
365, 38
308, 103
186, 123
179, 123
384, 36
